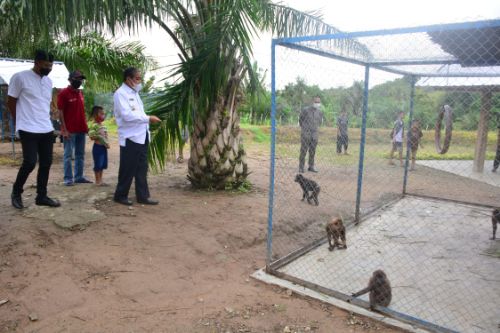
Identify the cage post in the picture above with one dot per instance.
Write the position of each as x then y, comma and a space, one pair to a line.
408, 134
273, 144
482, 131
362, 145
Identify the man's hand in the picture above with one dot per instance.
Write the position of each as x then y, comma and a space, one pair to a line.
64, 132
154, 119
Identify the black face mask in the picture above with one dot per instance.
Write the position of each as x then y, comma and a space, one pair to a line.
45, 71
76, 83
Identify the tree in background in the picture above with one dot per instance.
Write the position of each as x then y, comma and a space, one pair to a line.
256, 100
214, 41
101, 59
214, 44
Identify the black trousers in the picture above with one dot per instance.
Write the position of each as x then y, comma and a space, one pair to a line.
496, 163
307, 145
342, 141
133, 165
35, 146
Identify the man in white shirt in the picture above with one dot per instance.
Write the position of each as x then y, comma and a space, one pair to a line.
133, 136
397, 135
29, 98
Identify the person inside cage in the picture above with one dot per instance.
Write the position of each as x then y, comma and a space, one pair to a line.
397, 135
310, 119
342, 135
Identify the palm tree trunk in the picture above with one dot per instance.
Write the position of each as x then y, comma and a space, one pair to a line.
218, 159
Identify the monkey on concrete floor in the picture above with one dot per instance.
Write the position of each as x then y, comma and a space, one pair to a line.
379, 288
495, 219
308, 186
335, 231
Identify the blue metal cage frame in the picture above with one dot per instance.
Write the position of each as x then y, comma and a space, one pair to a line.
294, 43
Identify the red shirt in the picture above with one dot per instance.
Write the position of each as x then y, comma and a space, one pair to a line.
70, 102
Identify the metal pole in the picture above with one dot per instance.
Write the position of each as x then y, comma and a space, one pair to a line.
362, 145
408, 143
273, 144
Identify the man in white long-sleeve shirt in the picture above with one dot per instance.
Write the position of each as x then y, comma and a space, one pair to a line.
133, 136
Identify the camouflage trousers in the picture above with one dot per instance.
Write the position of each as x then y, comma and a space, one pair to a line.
307, 145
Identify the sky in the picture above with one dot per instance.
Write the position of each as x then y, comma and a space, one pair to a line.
350, 15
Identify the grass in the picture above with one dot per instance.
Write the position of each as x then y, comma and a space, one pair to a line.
257, 134
111, 126
377, 143
5, 160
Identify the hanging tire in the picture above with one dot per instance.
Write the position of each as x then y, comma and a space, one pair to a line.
445, 114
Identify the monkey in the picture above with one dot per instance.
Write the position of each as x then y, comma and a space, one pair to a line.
307, 186
335, 231
495, 219
379, 288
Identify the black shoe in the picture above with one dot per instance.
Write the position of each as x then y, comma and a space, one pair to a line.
46, 201
312, 170
17, 201
148, 202
123, 201
83, 181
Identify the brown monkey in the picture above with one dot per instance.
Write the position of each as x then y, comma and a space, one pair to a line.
310, 189
335, 231
379, 288
495, 219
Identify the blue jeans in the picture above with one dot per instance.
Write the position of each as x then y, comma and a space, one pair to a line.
74, 143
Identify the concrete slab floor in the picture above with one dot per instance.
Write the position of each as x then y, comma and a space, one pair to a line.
464, 168
437, 255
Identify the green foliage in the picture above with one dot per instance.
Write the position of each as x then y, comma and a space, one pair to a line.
214, 43
377, 143
102, 60
239, 186
258, 134
256, 105
385, 100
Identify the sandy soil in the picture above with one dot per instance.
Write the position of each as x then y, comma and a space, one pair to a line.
182, 266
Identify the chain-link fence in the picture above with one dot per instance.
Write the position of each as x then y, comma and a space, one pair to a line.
397, 133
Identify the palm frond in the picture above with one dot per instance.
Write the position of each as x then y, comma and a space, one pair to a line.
102, 60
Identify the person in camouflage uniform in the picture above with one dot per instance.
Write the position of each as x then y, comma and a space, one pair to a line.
342, 135
310, 119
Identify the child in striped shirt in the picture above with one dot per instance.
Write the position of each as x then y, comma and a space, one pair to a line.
99, 134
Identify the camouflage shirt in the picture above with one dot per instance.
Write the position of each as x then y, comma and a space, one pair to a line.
310, 119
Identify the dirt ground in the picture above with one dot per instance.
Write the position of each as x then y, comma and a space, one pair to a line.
181, 266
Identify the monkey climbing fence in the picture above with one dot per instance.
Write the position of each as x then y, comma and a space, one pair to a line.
350, 112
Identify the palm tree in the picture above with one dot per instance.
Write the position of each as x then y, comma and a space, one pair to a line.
214, 43
101, 59
214, 40
256, 99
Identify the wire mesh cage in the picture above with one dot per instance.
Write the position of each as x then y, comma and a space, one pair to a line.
384, 157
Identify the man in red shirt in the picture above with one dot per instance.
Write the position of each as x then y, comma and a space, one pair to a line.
73, 128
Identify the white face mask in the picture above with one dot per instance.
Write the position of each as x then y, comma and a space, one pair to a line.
138, 87
317, 105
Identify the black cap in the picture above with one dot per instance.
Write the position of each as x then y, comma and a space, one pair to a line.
77, 75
